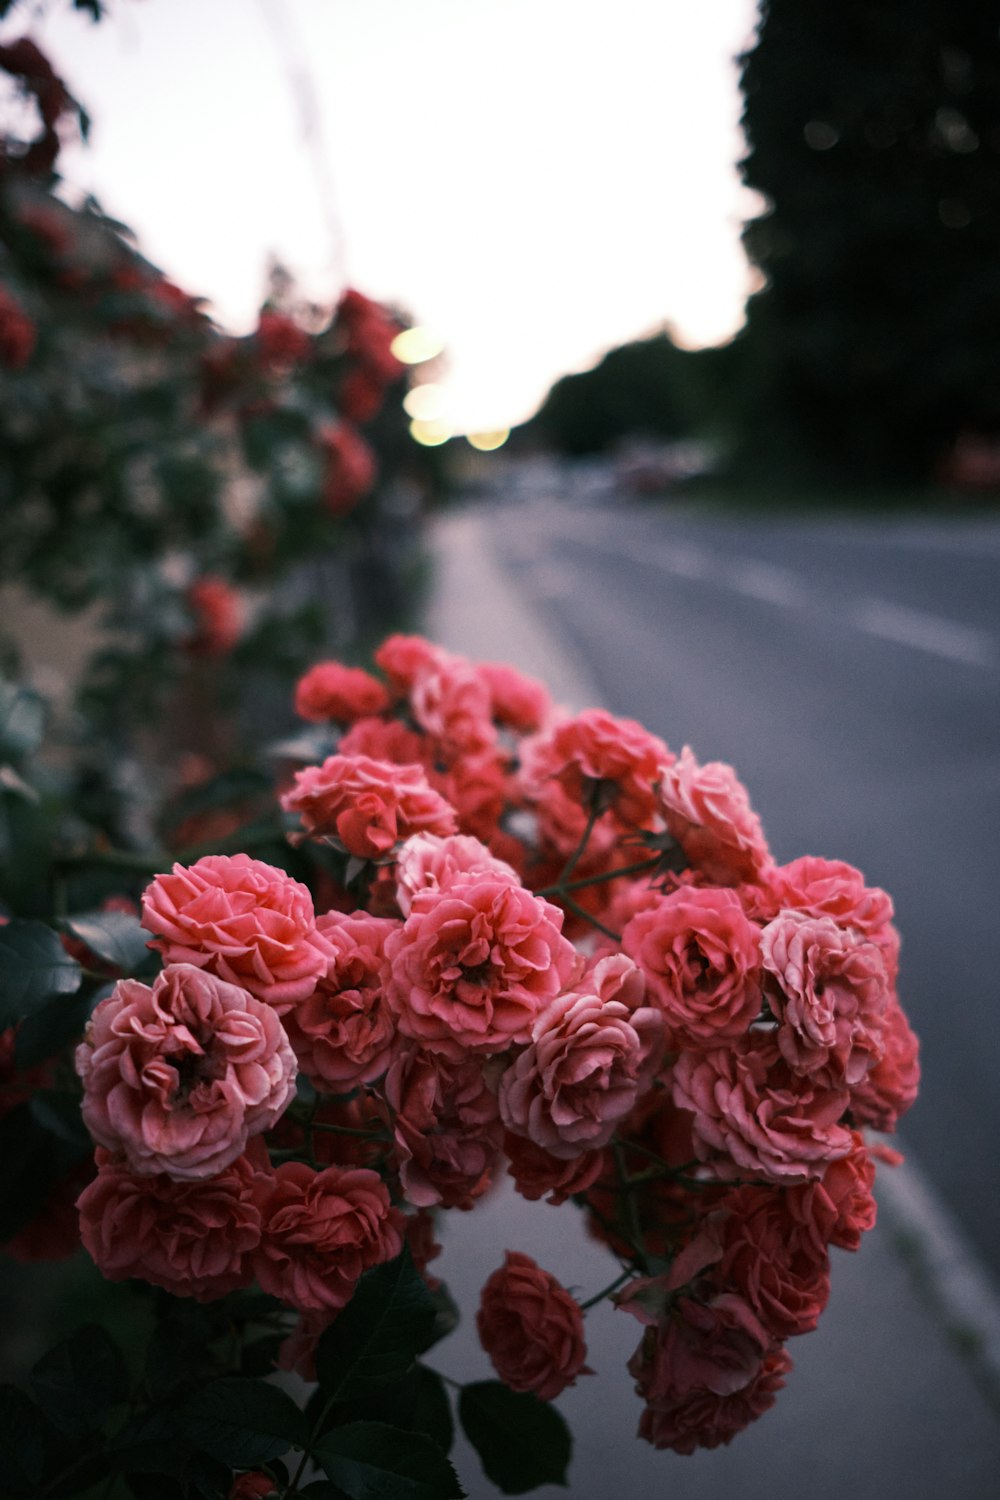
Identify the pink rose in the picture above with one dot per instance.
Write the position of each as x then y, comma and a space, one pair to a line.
332, 691
593, 1049
830, 996
195, 1239
708, 812
388, 740
518, 702
476, 787
531, 1328
713, 1345
366, 806
452, 703
889, 1089
614, 760
701, 1419
219, 617
537, 1174
774, 1265
701, 959
837, 1208
180, 1075
472, 966
429, 863
246, 921
321, 1231
446, 1126
404, 658
752, 1114
344, 1033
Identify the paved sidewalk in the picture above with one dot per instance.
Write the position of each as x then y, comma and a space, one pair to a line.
881, 1404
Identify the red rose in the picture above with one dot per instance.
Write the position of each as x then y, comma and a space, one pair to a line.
531, 1328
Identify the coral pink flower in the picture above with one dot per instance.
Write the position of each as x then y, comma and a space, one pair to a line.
592, 1051
773, 1264
447, 1128
452, 703
597, 755
254, 1485
831, 888
330, 690
891, 1087
701, 959
712, 1345
321, 1231
536, 1174
388, 740
349, 467
752, 1114
531, 1328
701, 1419
473, 965
17, 333
195, 1239
178, 1076
246, 921
298, 1350
367, 806
476, 787
219, 617
518, 702
343, 1033
708, 811
429, 863
279, 340
830, 996
404, 658
839, 1207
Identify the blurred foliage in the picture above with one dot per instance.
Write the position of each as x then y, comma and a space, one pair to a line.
649, 388
229, 501
873, 131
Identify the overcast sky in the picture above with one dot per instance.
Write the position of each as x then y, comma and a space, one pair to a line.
539, 180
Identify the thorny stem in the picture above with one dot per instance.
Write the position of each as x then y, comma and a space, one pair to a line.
579, 911
563, 885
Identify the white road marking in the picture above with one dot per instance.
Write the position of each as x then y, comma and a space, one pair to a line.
772, 584
926, 632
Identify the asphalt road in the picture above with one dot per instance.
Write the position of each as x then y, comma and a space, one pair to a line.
848, 668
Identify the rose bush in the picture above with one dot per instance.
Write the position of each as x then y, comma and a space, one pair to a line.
593, 978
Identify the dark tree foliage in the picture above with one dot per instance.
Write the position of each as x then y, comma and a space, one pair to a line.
873, 129
648, 388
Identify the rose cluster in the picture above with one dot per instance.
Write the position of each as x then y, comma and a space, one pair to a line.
534, 943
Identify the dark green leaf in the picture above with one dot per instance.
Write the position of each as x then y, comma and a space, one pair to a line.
22, 721
34, 1159
372, 1461
377, 1336
322, 1489
243, 1422
114, 936
33, 967
419, 1403
52, 1028
78, 1382
522, 1442
24, 1442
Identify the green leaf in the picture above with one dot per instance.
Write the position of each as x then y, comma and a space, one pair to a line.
372, 1461
377, 1336
34, 1158
114, 936
34, 966
22, 721
78, 1382
24, 1442
419, 1403
243, 1422
53, 1027
522, 1442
